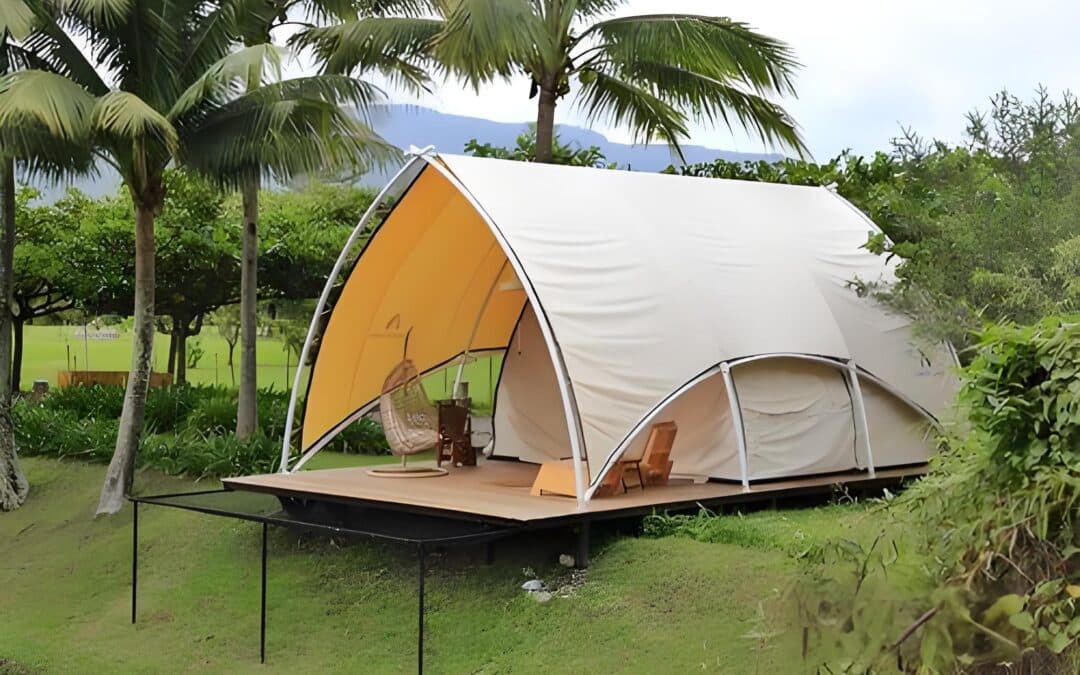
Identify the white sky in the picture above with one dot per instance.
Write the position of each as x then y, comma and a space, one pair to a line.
868, 66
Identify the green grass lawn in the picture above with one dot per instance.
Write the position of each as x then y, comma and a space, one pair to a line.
668, 605
47, 348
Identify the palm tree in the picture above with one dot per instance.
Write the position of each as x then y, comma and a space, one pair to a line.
167, 84
41, 154
653, 74
259, 19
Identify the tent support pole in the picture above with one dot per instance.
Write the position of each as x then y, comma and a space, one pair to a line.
737, 419
862, 426
134, 557
316, 317
476, 329
262, 602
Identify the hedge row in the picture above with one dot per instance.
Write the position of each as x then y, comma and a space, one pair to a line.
189, 429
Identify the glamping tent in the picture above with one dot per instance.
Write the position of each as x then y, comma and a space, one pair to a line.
623, 299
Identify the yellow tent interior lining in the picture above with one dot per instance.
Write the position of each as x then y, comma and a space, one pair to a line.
428, 273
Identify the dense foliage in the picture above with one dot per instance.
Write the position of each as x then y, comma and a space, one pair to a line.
524, 150
189, 429
995, 529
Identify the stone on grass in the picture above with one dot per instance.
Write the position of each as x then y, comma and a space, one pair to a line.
542, 597
533, 585
566, 560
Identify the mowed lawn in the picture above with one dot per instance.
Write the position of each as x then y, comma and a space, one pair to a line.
669, 605
48, 348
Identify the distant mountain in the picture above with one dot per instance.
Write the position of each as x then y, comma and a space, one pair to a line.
405, 125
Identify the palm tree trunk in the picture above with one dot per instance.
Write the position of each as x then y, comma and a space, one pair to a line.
17, 355
247, 412
121, 471
545, 125
13, 485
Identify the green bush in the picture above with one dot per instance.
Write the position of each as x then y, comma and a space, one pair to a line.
83, 401
198, 455
189, 429
994, 527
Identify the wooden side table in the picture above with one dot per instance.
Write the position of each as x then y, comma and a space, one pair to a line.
455, 433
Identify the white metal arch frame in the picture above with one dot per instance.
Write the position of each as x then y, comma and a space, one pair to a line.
397, 185
852, 373
426, 159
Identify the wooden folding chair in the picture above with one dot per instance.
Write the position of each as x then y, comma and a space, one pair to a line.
656, 461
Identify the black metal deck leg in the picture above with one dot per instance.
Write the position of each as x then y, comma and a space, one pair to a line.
421, 554
134, 556
581, 559
262, 615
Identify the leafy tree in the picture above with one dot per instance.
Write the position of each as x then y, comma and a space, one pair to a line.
524, 150
653, 74
42, 278
227, 321
197, 256
303, 233
164, 84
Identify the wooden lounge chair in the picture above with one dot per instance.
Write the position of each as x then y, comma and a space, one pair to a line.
649, 466
655, 465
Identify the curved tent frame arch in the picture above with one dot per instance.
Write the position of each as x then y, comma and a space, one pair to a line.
852, 374
422, 160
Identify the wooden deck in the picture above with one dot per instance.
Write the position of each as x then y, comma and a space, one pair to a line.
499, 490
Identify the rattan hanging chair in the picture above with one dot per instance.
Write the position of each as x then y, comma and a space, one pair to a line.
409, 420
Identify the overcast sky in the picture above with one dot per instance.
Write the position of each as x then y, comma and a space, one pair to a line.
868, 66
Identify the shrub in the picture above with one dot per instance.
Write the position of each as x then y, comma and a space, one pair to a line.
189, 429
87, 400
363, 437
994, 527
40, 430
215, 455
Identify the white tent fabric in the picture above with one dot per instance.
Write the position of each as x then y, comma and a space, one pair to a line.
647, 280
638, 291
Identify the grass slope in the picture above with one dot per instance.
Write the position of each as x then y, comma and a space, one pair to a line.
646, 605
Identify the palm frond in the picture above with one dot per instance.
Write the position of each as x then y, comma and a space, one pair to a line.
488, 39
710, 100
590, 9
273, 131
15, 57
122, 117
232, 75
397, 47
416, 8
716, 47
16, 19
104, 13
54, 47
607, 98
46, 100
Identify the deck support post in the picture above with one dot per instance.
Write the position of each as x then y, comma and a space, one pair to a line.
420, 611
134, 556
262, 604
581, 556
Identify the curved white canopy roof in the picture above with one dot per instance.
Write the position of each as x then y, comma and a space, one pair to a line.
640, 283
648, 280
